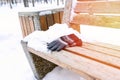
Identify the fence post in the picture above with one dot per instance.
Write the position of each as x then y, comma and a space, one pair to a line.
37, 21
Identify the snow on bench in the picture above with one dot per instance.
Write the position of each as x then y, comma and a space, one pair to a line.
97, 59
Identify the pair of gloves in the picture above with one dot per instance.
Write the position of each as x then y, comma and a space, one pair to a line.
63, 42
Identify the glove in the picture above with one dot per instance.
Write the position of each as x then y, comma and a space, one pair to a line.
63, 42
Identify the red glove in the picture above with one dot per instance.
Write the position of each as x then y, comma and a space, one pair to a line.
64, 41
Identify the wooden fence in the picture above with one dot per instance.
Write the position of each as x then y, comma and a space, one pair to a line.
40, 20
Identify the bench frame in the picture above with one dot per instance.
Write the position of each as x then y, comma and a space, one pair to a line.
93, 61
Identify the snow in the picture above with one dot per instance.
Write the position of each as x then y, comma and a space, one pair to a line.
62, 74
13, 62
101, 34
38, 39
44, 37
72, 10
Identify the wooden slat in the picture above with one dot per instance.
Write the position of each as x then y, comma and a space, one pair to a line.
27, 24
31, 23
107, 45
56, 17
97, 7
79, 63
97, 20
50, 20
22, 26
96, 56
104, 48
43, 22
61, 16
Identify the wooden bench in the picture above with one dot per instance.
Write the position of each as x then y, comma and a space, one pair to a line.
94, 60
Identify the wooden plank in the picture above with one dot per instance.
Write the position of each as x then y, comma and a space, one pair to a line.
43, 22
22, 26
97, 7
79, 63
101, 57
31, 24
97, 20
107, 45
108, 49
56, 17
61, 16
27, 24
50, 20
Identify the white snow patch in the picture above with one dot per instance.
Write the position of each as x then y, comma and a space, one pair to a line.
59, 73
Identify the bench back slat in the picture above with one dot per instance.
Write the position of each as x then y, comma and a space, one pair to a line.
92, 12
97, 7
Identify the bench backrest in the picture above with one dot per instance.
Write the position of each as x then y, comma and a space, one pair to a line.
92, 12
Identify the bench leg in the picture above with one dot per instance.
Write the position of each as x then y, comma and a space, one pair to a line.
40, 66
30, 60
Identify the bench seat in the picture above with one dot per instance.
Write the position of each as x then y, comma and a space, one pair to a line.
94, 59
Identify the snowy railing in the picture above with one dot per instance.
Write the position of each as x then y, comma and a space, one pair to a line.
39, 19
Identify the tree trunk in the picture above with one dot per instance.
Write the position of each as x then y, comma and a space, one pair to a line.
33, 3
57, 2
26, 4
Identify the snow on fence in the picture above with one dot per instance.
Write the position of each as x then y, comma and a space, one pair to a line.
39, 20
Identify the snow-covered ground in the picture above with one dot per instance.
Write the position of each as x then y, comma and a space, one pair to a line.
13, 63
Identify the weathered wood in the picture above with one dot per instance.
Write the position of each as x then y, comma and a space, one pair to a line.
37, 22
31, 24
